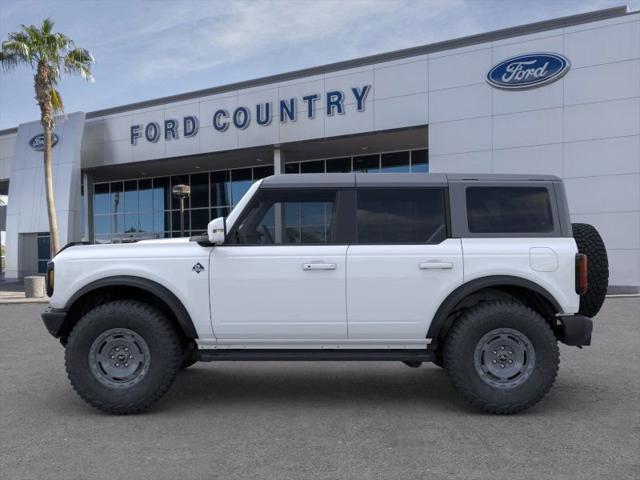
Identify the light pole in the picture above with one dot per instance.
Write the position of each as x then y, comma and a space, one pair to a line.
182, 192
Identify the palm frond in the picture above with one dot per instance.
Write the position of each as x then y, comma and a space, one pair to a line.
56, 101
79, 61
47, 26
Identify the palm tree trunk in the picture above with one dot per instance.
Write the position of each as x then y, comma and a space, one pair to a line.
51, 201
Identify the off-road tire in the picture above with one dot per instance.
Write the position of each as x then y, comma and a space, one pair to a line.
469, 330
590, 243
165, 355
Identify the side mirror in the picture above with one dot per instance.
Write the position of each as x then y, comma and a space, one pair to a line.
217, 230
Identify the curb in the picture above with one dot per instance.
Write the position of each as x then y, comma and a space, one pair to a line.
18, 301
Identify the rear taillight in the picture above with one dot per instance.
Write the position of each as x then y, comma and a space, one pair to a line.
48, 280
581, 274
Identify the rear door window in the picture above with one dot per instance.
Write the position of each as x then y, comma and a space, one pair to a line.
401, 215
509, 210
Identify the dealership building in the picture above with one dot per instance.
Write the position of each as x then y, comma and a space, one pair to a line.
557, 97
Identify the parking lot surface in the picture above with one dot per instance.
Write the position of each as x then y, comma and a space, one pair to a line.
324, 420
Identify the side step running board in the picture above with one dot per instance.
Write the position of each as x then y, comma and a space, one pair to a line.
216, 355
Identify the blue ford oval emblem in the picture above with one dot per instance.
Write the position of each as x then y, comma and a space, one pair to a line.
528, 71
37, 142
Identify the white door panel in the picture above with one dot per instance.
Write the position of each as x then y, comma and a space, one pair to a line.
279, 292
393, 291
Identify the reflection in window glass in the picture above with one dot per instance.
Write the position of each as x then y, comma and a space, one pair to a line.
220, 189
145, 195
102, 224
412, 215
117, 223
146, 222
131, 196
367, 164
131, 223
101, 198
420, 161
161, 194
240, 183
116, 198
161, 222
397, 162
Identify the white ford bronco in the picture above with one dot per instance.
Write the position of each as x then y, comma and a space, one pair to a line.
480, 274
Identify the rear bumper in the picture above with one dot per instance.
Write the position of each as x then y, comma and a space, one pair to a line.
53, 319
575, 330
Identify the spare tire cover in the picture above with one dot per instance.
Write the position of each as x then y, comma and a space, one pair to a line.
590, 243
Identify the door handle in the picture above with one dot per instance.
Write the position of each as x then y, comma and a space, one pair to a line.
435, 265
319, 266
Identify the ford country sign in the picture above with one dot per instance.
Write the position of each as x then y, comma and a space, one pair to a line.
37, 142
528, 71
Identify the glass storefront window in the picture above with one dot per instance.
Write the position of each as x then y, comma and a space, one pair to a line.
116, 198
220, 189
130, 210
200, 190
199, 219
131, 203
44, 251
367, 164
420, 161
339, 165
161, 194
261, 172
292, 168
316, 166
397, 162
179, 180
240, 183
101, 198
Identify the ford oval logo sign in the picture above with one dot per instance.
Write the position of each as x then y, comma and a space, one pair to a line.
37, 142
528, 71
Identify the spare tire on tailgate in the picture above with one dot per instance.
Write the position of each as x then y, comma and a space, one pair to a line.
590, 243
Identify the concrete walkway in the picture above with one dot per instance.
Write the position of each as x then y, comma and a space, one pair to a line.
13, 292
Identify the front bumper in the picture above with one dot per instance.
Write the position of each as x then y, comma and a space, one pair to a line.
575, 330
53, 319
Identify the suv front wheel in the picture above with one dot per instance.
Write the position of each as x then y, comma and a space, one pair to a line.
502, 357
122, 356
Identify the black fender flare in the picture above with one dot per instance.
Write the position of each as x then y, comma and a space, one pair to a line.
150, 286
440, 319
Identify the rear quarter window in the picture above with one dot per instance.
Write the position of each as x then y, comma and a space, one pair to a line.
509, 210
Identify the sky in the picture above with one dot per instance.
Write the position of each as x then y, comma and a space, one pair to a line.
150, 49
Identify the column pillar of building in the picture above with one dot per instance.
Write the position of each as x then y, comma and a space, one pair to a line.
87, 221
278, 169
278, 160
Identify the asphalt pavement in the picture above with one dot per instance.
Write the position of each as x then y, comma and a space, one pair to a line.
324, 420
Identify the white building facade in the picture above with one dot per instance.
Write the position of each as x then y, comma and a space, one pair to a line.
558, 97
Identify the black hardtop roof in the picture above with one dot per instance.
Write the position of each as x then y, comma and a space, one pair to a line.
345, 180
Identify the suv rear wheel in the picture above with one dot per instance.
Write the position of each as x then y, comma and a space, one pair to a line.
122, 356
502, 357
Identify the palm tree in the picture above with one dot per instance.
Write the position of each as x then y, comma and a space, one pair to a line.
49, 54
